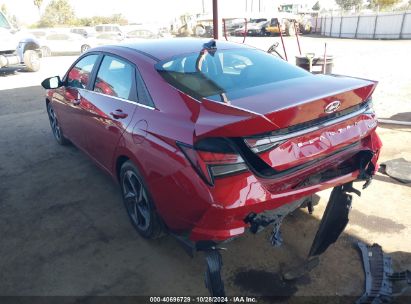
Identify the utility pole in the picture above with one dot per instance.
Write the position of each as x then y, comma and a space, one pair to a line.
215, 19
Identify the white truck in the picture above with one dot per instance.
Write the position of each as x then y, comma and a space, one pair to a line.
16, 48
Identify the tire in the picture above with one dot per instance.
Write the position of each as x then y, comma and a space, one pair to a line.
45, 51
84, 48
55, 127
31, 60
138, 203
213, 280
199, 31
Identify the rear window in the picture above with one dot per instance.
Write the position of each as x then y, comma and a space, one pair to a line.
207, 74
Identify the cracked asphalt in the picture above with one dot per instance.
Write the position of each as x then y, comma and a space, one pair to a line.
64, 230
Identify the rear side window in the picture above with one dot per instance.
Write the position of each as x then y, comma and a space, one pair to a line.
115, 78
79, 75
207, 74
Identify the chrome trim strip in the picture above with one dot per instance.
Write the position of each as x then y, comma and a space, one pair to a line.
122, 99
311, 129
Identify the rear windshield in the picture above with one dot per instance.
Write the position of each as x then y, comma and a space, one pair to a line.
210, 74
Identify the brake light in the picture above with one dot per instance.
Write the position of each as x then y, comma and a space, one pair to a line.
369, 107
213, 158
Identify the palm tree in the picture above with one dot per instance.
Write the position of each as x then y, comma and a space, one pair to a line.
38, 3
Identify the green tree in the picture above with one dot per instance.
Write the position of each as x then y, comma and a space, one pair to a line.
348, 4
38, 4
317, 6
58, 12
118, 19
383, 4
115, 18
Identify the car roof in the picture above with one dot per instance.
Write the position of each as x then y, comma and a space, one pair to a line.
165, 48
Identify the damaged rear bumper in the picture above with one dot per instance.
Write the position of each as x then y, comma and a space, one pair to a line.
223, 221
220, 224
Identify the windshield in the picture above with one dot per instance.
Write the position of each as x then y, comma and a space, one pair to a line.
218, 72
3, 22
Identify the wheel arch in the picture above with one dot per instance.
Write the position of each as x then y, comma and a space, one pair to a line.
30, 45
120, 160
121, 156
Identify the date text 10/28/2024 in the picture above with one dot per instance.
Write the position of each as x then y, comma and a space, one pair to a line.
203, 299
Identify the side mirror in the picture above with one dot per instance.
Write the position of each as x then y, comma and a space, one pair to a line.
52, 83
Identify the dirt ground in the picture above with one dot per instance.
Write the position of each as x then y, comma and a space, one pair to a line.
64, 230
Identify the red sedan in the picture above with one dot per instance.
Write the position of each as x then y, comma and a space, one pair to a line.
208, 139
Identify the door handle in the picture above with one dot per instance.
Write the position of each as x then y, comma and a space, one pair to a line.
77, 100
118, 114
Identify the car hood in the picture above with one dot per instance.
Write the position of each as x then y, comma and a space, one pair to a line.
9, 42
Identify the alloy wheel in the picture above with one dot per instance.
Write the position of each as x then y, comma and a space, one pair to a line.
84, 48
53, 122
136, 200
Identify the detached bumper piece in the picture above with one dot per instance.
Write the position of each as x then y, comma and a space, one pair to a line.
334, 220
380, 279
333, 223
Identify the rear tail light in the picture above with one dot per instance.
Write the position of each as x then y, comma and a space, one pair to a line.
369, 107
213, 158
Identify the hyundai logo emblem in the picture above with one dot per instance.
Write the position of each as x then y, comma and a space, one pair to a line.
332, 106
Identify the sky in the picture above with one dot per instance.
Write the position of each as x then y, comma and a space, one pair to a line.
143, 10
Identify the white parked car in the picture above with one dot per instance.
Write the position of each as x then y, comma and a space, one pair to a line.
142, 33
109, 28
104, 39
63, 43
85, 31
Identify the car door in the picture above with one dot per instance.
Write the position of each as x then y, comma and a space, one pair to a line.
70, 103
56, 42
111, 105
74, 43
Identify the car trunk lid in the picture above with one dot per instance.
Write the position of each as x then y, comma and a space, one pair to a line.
303, 138
279, 105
